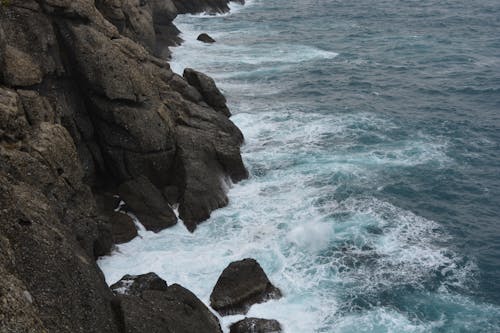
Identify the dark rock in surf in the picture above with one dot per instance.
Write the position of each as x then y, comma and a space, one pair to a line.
205, 38
256, 325
147, 304
122, 227
207, 88
242, 284
146, 202
135, 285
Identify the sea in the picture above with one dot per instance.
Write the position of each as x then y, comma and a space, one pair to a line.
372, 138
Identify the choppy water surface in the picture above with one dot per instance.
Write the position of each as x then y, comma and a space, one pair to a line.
373, 143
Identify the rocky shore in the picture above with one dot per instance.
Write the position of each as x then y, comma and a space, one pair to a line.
92, 119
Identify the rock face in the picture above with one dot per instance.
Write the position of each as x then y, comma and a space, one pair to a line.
146, 202
150, 306
207, 88
135, 284
86, 107
122, 227
256, 325
240, 285
205, 38
50, 231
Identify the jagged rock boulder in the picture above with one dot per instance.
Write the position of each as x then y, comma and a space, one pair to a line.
207, 6
147, 22
205, 38
207, 88
146, 202
242, 284
256, 325
123, 227
150, 306
135, 285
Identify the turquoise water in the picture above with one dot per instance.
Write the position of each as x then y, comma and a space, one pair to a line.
373, 144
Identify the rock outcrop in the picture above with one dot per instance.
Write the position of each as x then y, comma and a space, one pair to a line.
135, 285
146, 202
86, 109
208, 90
205, 38
51, 230
207, 6
256, 325
148, 305
242, 284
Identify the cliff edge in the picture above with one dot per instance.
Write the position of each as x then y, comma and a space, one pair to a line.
88, 105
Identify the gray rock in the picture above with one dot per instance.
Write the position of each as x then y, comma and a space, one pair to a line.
207, 88
241, 284
122, 227
205, 38
175, 310
146, 202
135, 285
256, 325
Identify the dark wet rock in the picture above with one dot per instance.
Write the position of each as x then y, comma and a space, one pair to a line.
207, 88
146, 304
122, 227
49, 233
198, 142
135, 285
172, 194
256, 325
242, 284
205, 38
146, 22
84, 108
146, 202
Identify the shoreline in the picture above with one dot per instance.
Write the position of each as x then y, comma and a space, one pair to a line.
88, 115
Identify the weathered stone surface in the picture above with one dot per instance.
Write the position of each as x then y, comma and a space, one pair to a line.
256, 325
135, 285
205, 38
49, 232
20, 69
240, 285
122, 227
148, 305
17, 311
146, 202
207, 88
84, 104
13, 124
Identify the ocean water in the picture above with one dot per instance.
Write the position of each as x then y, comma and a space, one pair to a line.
373, 143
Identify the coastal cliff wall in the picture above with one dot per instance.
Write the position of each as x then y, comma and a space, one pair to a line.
89, 109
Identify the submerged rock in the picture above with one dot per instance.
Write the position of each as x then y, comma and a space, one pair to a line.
205, 38
256, 325
242, 284
146, 304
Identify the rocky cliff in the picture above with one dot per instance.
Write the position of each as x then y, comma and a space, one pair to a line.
89, 109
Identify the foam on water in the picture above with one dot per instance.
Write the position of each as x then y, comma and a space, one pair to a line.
346, 258
329, 257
